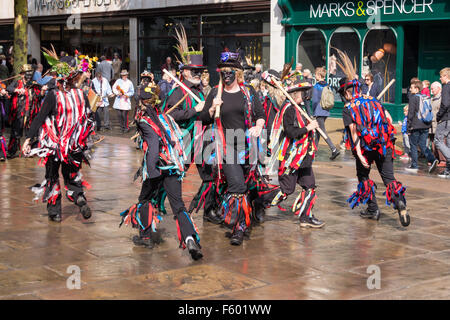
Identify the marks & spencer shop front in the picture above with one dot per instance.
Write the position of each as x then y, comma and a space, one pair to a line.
392, 39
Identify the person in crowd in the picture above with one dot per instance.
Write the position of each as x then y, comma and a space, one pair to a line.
436, 89
442, 138
206, 88
418, 130
105, 68
102, 87
4, 72
406, 146
168, 65
166, 85
318, 112
123, 89
426, 88
116, 65
369, 87
258, 72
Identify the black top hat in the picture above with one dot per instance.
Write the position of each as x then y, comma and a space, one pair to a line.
230, 60
196, 62
301, 86
345, 83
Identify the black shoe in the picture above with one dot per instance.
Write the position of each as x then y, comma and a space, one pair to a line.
55, 218
211, 216
445, 174
143, 242
258, 213
237, 238
403, 215
311, 222
194, 250
370, 214
334, 154
86, 212
2, 159
433, 166
11, 156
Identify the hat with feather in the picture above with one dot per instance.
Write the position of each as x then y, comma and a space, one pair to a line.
62, 69
188, 59
350, 80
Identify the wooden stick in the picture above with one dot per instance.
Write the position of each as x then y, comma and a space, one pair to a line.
298, 107
385, 89
219, 96
135, 136
177, 104
182, 85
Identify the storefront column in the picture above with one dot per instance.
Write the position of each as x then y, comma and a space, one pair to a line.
277, 37
34, 41
134, 50
399, 63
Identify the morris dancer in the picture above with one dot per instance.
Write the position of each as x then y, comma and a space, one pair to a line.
186, 116
26, 101
62, 126
240, 110
295, 153
3, 117
162, 166
370, 134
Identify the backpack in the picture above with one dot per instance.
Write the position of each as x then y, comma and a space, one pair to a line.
425, 112
327, 99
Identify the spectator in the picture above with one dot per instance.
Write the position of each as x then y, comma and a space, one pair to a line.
307, 75
426, 88
105, 68
4, 72
168, 65
258, 72
206, 88
298, 73
166, 84
321, 114
102, 87
418, 130
370, 88
124, 90
116, 65
406, 146
436, 89
442, 138
64, 57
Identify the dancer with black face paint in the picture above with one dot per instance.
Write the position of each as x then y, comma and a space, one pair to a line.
240, 109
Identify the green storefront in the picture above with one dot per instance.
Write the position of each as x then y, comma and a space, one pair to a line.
392, 39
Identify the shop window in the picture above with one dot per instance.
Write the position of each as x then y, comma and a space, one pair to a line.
165, 26
380, 56
347, 40
50, 33
311, 51
235, 23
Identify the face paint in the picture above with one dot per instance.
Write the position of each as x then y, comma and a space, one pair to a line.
28, 76
228, 77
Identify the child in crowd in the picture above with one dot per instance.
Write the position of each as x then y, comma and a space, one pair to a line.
426, 88
406, 147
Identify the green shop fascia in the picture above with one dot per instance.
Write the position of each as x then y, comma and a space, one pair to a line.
391, 39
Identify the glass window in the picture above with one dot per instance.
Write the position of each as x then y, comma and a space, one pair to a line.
345, 39
165, 26
50, 33
380, 56
235, 23
311, 51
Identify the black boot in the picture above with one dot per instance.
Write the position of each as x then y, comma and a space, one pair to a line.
334, 154
258, 212
310, 222
210, 215
84, 208
370, 214
237, 238
194, 249
54, 211
143, 242
403, 215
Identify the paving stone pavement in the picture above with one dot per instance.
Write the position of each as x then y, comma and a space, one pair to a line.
280, 261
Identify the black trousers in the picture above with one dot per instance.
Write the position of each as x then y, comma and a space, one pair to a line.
304, 177
71, 178
172, 185
385, 166
321, 121
16, 134
123, 119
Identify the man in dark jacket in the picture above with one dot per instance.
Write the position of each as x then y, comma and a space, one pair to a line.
418, 130
442, 139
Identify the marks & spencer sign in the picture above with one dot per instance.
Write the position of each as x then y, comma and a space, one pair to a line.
359, 11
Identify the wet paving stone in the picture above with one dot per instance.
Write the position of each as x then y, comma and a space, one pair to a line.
279, 260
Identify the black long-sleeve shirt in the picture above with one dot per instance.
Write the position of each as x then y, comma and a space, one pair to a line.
179, 114
444, 111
